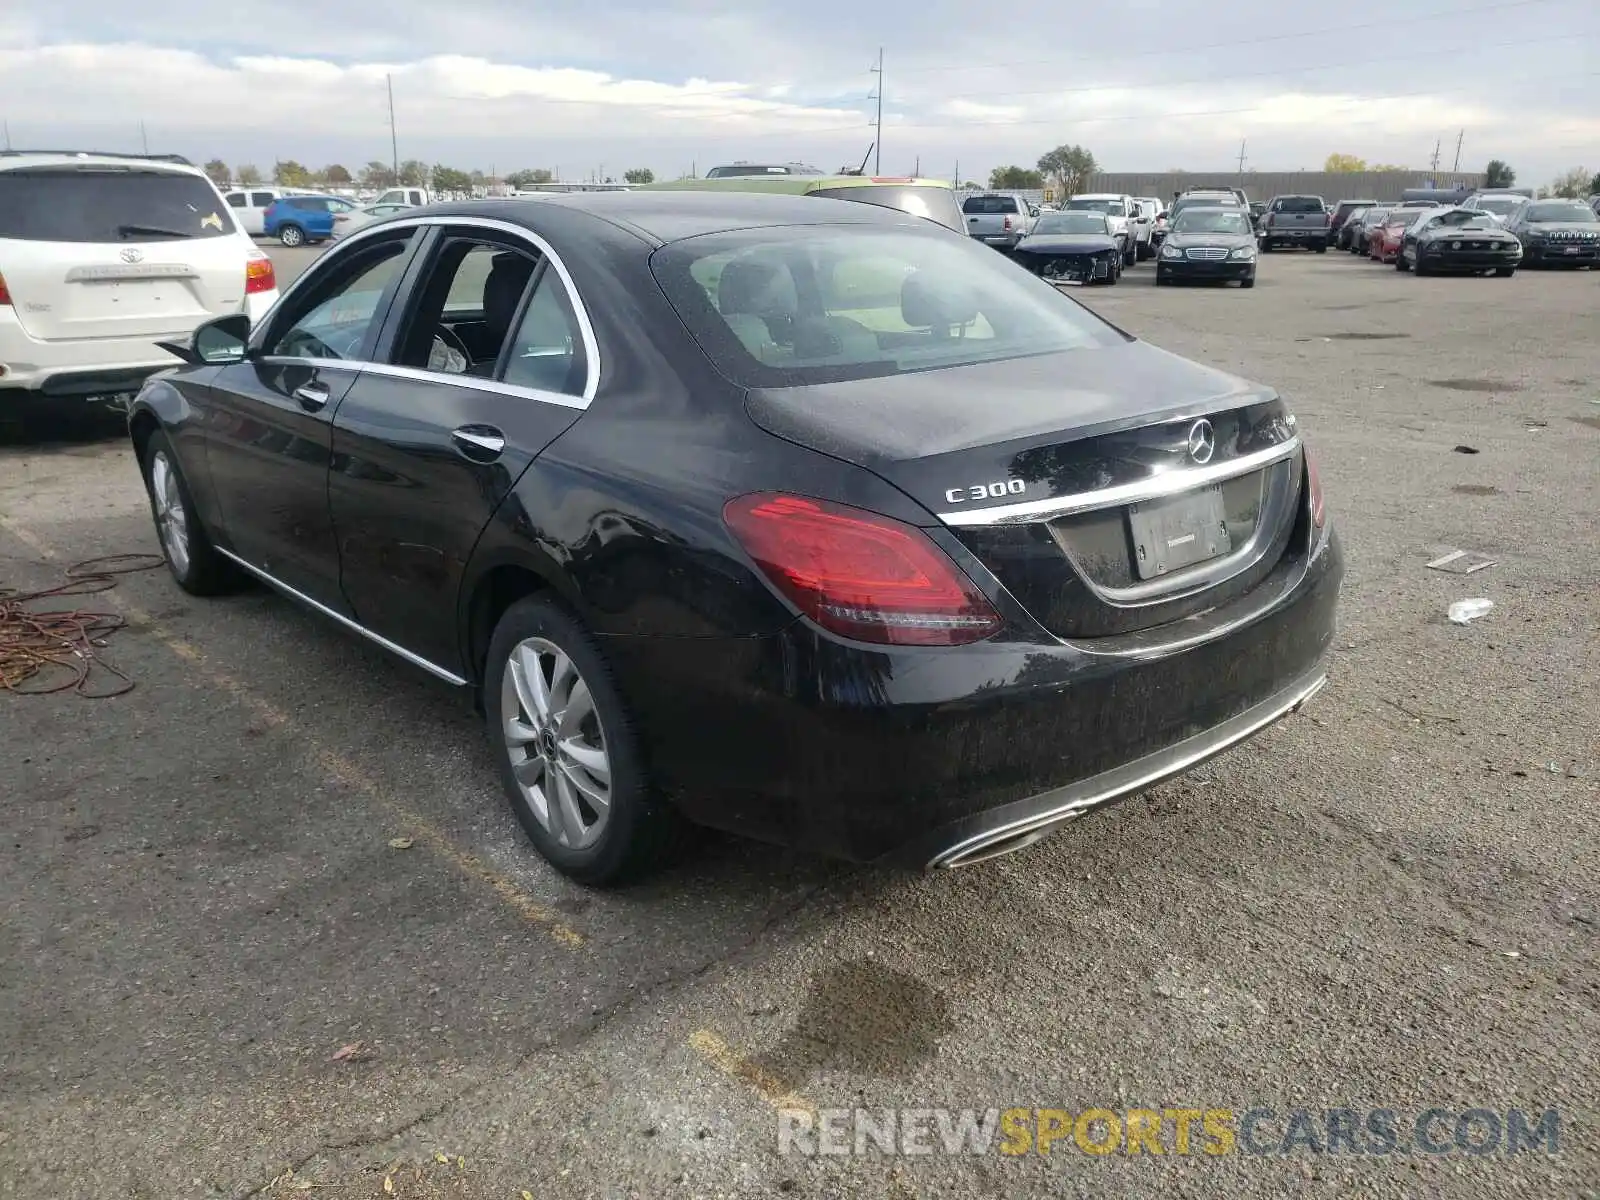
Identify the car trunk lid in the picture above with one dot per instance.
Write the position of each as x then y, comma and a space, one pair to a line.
90, 252
1108, 490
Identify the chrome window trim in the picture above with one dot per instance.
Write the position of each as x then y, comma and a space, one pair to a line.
1168, 484
356, 627
490, 224
389, 370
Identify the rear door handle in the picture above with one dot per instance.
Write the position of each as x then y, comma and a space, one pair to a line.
312, 396
480, 443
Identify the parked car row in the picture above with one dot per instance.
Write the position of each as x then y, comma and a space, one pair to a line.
1476, 236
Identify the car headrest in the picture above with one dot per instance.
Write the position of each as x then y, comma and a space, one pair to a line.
752, 287
927, 302
502, 289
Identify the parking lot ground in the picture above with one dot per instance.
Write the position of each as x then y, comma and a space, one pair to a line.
284, 844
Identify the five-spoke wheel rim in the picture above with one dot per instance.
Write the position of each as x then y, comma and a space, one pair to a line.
556, 743
172, 519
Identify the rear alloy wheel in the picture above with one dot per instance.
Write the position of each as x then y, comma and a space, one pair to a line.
291, 235
195, 565
568, 754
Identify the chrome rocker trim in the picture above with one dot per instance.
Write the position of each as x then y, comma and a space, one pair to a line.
415, 660
1063, 804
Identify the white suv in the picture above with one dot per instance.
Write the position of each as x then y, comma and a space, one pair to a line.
1122, 215
101, 258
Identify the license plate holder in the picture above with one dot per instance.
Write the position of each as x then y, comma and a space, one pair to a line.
1178, 531
1571, 249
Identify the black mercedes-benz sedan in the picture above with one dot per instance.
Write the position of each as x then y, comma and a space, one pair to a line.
1214, 245
1071, 247
806, 520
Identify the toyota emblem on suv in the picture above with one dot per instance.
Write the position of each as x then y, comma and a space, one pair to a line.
1202, 441
130, 255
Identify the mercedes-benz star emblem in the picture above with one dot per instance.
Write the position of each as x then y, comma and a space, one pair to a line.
1202, 441
130, 255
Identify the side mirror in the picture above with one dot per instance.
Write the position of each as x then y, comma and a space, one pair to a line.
222, 339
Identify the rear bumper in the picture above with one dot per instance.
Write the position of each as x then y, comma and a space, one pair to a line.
924, 757
76, 368
1295, 235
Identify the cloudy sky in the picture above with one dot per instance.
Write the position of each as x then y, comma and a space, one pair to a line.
591, 86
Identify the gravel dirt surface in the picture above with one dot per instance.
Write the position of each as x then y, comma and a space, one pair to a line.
284, 844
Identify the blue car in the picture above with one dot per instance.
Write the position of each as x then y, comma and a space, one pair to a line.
296, 220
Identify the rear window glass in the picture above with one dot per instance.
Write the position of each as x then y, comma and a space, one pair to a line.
989, 204
1071, 222
1298, 204
82, 205
802, 305
1499, 205
934, 203
1111, 207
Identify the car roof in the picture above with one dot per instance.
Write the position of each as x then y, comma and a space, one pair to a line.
670, 216
16, 159
1100, 196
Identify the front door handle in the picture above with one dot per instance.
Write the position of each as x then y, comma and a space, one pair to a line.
312, 396
480, 443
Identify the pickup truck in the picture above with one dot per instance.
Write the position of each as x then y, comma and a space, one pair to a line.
1296, 221
998, 218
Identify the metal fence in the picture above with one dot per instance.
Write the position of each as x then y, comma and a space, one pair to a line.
1332, 186
1264, 185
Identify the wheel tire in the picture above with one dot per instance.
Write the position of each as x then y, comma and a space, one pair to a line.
195, 564
1268, 245
1504, 272
1114, 276
638, 828
1320, 247
1400, 263
1420, 269
1161, 280
291, 235
1248, 281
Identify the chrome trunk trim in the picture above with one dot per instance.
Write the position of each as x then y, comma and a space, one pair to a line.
1168, 483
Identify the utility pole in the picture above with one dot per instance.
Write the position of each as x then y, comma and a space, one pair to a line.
8, 134
144, 138
1241, 162
394, 136
956, 182
916, 171
877, 124
1460, 137
1434, 162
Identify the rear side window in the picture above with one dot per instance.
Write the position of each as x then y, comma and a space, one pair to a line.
933, 203
235, 199
1298, 204
814, 304
989, 205
260, 199
90, 205
310, 204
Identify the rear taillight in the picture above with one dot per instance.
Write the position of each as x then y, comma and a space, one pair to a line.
1314, 487
259, 275
1007, 224
861, 575
5, 296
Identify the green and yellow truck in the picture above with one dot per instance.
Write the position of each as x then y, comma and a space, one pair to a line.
933, 199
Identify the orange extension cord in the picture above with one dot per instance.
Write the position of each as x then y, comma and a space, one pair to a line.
57, 643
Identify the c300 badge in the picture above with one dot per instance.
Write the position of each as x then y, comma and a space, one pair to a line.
998, 490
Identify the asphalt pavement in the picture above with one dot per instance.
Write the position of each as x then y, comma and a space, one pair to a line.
267, 927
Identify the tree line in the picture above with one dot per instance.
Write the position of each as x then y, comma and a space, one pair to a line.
1067, 167
377, 175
